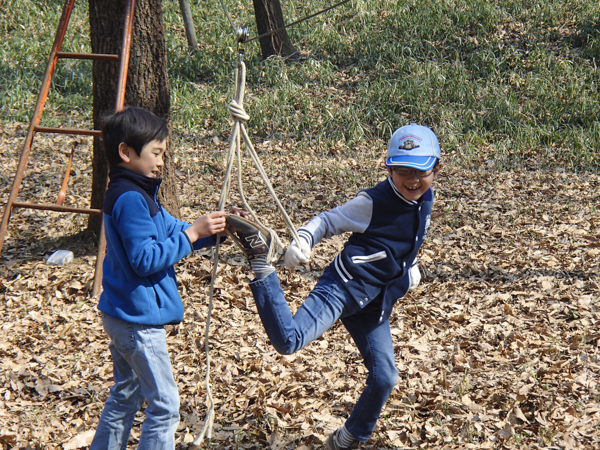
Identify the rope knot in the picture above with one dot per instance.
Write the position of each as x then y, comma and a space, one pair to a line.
237, 111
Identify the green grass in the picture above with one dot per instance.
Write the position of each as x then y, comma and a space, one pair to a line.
506, 81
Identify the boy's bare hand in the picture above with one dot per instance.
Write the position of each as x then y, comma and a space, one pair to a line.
207, 225
239, 212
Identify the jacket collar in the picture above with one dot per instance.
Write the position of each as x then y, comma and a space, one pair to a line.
148, 184
397, 192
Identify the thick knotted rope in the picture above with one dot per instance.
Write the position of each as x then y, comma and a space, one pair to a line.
238, 112
239, 117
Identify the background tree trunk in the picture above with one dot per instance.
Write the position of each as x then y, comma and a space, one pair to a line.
147, 84
188, 22
269, 16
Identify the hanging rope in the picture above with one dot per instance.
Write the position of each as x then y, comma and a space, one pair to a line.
227, 15
239, 117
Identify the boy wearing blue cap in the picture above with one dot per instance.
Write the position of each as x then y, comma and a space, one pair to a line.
377, 266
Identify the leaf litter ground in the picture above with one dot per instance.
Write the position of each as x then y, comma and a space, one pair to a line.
497, 348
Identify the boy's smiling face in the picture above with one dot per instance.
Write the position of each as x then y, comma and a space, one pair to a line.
148, 162
411, 183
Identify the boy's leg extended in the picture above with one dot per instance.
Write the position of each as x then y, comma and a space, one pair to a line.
323, 306
374, 341
143, 350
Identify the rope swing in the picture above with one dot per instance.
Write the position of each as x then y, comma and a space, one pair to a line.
239, 118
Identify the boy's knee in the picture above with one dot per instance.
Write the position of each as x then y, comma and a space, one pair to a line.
168, 413
387, 380
285, 347
165, 406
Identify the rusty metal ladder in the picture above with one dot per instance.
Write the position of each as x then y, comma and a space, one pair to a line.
34, 127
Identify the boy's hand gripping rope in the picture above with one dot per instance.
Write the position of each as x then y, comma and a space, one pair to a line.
239, 117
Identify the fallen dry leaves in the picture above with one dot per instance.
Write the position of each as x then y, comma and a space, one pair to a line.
497, 348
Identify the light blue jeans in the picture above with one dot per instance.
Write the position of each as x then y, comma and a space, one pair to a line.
328, 302
142, 372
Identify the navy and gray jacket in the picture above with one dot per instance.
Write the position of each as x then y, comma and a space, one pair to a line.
387, 232
143, 241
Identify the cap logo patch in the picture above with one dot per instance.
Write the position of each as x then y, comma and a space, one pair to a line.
408, 144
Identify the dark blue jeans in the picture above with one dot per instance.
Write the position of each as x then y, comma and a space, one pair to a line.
328, 302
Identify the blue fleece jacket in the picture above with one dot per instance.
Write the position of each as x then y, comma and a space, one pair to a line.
143, 241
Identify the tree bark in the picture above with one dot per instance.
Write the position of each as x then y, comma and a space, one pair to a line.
147, 84
269, 17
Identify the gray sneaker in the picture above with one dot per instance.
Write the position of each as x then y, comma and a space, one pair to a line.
332, 443
254, 239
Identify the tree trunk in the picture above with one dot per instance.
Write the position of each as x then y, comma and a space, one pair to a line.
147, 84
269, 17
188, 22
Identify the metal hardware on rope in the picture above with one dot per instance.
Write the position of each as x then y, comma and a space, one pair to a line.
241, 34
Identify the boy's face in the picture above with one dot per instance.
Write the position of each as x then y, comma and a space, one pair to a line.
148, 162
411, 183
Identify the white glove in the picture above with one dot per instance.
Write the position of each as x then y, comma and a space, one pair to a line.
415, 276
293, 254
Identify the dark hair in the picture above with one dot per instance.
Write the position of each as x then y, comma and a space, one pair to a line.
135, 127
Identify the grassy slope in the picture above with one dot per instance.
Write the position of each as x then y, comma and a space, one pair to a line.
502, 80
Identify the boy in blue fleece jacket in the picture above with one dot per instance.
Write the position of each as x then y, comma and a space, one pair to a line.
377, 266
140, 294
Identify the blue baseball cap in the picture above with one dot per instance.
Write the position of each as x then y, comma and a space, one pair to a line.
414, 146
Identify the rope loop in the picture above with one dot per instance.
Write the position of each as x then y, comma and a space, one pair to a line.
237, 111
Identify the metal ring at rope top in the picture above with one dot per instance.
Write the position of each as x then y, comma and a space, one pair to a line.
241, 34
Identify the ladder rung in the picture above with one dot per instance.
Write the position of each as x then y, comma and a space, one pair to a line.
95, 212
68, 131
94, 56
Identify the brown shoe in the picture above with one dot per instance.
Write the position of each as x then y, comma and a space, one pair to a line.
254, 239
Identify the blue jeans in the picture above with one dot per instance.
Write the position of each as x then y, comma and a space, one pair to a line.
328, 302
142, 372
